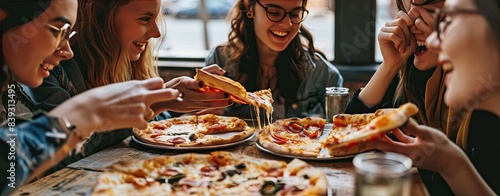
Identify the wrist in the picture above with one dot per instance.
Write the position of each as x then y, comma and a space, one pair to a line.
389, 70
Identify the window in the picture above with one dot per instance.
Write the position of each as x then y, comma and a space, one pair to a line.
185, 36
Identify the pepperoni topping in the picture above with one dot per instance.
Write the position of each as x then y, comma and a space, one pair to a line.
168, 172
177, 140
294, 127
155, 135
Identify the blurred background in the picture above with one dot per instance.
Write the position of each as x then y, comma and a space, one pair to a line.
186, 36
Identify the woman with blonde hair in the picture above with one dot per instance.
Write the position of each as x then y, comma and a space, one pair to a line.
114, 44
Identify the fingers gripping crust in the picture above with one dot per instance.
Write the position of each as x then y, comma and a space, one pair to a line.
223, 83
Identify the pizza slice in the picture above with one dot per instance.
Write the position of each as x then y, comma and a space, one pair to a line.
170, 132
210, 124
203, 130
294, 136
218, 83
360, 128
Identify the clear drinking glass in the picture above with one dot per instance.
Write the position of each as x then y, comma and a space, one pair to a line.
382, 173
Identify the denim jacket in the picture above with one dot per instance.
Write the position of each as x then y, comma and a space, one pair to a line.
24, 146
321, 74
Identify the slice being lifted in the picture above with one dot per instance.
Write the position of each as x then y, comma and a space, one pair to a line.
348, 133
217, 83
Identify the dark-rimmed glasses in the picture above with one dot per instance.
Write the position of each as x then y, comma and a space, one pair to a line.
442, 21
63, 33
277, 14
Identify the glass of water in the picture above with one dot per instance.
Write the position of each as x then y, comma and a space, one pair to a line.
382, 173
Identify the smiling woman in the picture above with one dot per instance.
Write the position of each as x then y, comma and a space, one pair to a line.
268, 48
113, 45
34, 38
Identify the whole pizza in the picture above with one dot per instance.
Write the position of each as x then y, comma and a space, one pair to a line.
307, 137
198, 130
217, 173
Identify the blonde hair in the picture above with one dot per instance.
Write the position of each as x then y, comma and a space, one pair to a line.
98, 48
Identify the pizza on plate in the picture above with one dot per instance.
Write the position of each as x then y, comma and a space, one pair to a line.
294, 136
308, 137
202, 130
351, 131
217, 83
217, 173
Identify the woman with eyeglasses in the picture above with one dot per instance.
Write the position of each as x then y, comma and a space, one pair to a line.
34, 38
409, 73
269, 48
115, 43
468, 42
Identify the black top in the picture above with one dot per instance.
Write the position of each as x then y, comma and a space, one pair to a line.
482, 143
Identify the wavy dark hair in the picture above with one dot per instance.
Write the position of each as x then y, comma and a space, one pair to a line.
242, 63
18, 13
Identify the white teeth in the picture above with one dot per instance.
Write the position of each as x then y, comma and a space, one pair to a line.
447, 67
47, 66
140, 43
420, 43
280, 33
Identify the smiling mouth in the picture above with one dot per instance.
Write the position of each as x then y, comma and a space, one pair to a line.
421, 46
280, 33
47, 66
141, 44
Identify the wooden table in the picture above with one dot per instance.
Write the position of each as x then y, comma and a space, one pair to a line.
79, 177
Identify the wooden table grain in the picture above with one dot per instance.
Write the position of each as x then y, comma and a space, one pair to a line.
79, 177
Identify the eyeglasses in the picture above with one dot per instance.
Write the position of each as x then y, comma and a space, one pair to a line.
277, 14
442, 19
63, 33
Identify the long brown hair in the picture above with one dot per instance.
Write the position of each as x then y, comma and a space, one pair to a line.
98, 49
242, 63
412, 82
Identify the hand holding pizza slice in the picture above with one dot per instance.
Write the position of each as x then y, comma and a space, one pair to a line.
218, 83
347, 135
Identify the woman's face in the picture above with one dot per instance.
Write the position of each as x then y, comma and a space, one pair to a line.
467, 46
423, 18
136, 24
274, 36
30, 49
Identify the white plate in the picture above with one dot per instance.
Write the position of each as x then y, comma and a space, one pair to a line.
323, 154
193, 147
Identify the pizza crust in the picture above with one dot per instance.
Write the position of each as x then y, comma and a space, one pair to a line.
223, 83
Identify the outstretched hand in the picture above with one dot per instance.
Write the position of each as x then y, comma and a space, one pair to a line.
429, 148
114, 106
193, 99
